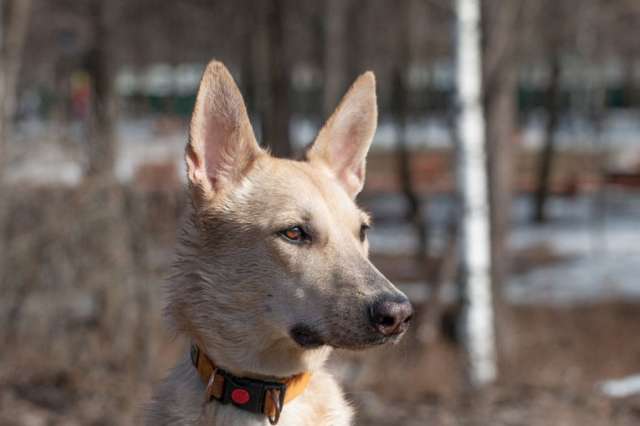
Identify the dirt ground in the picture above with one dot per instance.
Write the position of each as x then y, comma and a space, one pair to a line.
556, 357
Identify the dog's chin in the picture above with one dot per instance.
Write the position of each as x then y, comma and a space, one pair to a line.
370, 342
309, 338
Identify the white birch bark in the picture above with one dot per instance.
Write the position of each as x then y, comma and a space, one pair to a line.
478, 330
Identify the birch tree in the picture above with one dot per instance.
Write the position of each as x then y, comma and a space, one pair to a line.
478, 330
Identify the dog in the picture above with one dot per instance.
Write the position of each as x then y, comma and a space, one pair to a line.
272, 268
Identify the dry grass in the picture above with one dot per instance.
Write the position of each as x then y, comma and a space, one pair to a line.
80, 303
83, 341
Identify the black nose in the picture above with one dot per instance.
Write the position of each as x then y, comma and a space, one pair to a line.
391, 316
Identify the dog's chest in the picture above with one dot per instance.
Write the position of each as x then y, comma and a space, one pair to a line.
179, 401
303, 411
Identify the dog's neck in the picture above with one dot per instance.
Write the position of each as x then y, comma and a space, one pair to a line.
205, 367
274, 362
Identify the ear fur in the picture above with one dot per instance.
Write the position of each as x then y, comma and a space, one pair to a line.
344, 141
221, 145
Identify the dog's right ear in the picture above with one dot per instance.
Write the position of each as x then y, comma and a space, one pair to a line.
344, 141
221, 145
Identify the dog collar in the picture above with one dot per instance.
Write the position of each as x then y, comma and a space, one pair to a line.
255, 396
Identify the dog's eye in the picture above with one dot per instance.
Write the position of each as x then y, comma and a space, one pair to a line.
295, 234
363, 231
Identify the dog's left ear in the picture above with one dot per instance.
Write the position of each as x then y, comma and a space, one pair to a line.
344, 141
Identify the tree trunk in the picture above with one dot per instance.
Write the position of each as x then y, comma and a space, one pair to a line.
446, 272
101, 143
334, 53
500, 78
414, 213
12, 39
353, 34
247, 69
249, 60
478, 333
15, 38
277, 114
400, 110
552, 105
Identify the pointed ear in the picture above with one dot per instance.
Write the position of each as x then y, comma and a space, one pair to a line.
344, 141
222, 145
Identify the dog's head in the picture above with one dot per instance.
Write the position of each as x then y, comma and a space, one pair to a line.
274, 258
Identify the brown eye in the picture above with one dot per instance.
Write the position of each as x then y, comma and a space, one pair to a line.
363, 231
295, 234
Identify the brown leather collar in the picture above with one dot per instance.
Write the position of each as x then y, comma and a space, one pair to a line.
256, 396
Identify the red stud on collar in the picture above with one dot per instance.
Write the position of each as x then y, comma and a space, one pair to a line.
240, 396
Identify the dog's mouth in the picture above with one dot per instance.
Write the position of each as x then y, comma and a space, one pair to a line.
308, 337
375, 340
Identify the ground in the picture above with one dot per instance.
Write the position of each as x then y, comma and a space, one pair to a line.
556, 358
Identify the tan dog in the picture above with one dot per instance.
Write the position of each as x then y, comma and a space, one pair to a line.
272, 269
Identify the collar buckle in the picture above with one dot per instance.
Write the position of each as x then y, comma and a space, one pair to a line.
277, 400
256, 396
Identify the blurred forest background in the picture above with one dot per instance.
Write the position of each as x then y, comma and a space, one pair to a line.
95, 98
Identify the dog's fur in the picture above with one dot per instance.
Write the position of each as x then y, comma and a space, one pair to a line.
259, 305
